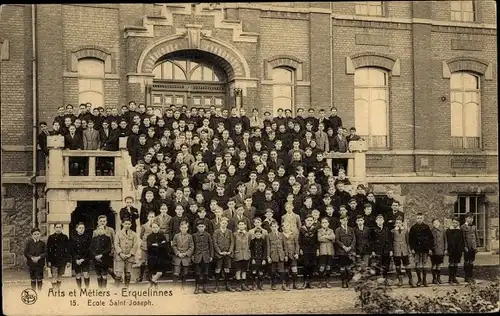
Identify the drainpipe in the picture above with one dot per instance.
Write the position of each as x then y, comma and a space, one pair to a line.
330, 27
35, 109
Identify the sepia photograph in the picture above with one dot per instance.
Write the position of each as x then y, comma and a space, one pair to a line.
249, 158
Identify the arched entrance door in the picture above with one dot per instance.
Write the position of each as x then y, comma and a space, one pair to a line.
189, 77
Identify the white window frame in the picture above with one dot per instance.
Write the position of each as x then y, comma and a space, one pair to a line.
479, 212
369, 138
360, 5
100, 77
463, 16
466, 141
290, 85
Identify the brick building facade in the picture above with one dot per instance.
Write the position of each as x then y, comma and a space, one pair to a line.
422, 61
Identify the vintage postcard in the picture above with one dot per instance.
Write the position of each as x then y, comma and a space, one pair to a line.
249, 158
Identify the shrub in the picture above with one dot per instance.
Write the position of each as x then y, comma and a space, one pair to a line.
376, 298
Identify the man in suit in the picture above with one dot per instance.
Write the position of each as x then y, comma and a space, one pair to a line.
91, 137
73, 141
251, 186
109, 141
334, 121
240, 196
42, 137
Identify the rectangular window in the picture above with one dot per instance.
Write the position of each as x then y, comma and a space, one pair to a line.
462, 11
473, 204
371, 8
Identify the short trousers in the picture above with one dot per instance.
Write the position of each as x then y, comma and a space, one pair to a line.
101, 270
291, 263
36, 273
57, 271
470, 256
257, 266
383, 261
421, 258
309, 259
437, 259
201, 268
84, 267
344, 261
223, 262
241, 265
454, 257
326, 260
278, 266
403, 259
123, 266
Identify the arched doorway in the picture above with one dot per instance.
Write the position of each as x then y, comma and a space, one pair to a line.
189, 77
87, 212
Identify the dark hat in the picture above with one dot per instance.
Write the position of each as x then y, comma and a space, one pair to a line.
200, 222
368, 205
360, 217
36, 229
380, 215
351, 200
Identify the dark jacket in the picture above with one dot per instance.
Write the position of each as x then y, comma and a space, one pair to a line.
80, 247
381, 241
35, 249
133, 215
42, 142
101, 245
73, 143
308, 240
390, 218
157, 254
111, 141
470, 236
58, 252
421, 238
439, 241
203, 247
362, 240
258, 249
455, 241
344, 238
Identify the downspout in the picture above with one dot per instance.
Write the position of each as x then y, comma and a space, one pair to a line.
330, 27
35, 110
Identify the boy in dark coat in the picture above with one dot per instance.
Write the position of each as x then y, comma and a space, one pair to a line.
455, 247
470, 246
362, 247
80, 251
258, 252
58, 254
100, 249
35, 252
157, 253
381, 246
421, 244
309, 250
202, 256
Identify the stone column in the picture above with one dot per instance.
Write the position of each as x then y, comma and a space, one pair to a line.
55, 166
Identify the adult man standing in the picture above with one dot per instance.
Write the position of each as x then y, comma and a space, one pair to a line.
334, 121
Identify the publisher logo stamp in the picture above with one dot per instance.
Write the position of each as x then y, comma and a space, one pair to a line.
28, 297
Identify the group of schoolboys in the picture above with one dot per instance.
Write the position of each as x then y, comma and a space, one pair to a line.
255, 194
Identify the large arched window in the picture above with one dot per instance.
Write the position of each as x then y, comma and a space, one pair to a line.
186, 70
91, 81
283, 89
465, 110
371, 105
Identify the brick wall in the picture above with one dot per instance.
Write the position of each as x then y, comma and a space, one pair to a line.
16, 87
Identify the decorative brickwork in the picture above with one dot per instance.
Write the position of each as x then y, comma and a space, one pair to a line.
91, 52
283, 61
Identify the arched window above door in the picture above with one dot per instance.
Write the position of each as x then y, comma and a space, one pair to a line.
188, 70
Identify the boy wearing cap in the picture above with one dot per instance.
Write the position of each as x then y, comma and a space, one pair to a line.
202, 256
470, 246
455, 246
35, 252
381, 246
223, 246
